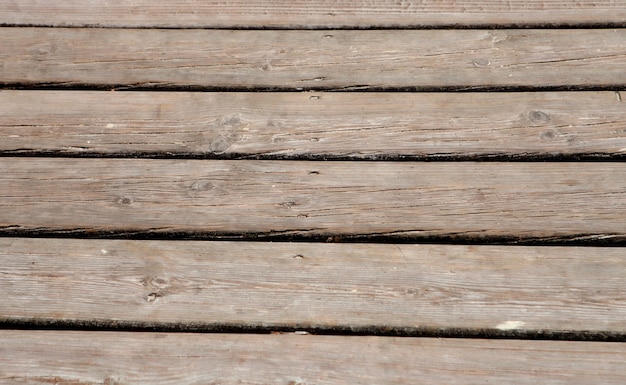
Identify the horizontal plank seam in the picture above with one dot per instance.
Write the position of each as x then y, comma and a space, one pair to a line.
345, 330
444, 157
143, 87
299, 235
416, 26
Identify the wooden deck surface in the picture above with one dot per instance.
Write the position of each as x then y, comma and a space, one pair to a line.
309, 192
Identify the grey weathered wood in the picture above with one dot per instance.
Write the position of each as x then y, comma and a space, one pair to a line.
64, 357
536, 200
345, 125
358, 286
313, 59
309, 14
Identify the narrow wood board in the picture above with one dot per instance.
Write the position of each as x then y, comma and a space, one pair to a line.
62, 357
305, 198
368, 287
313, 125
309, 14
378, 59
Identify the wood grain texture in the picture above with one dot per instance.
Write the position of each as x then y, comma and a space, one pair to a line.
68, 358
375, 59
328, 286
318, 125
309, 14
304, 198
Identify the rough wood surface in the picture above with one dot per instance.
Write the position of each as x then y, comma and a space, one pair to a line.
364, 286
463, 59
343, 45
305, 125
304, 198
309, 14
68, 358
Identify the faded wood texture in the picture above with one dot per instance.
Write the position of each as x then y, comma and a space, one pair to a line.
358, 286
377, 59
90, 358
309, 14
304, 198
318, 125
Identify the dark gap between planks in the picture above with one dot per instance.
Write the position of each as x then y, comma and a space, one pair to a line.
64, 86
417, 26
344, 330
444, 157
296, 236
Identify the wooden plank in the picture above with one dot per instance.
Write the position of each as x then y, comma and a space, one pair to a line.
313, 59
313, 125
64, 357
304, 198
491, 289
309, 14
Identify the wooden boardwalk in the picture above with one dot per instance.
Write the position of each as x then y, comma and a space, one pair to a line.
312, 192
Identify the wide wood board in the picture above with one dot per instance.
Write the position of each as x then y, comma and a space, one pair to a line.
302, 198
58, 357
366, 287
328, 60
310, 14
314, 125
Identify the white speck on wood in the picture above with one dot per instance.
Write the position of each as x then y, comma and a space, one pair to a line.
510, 325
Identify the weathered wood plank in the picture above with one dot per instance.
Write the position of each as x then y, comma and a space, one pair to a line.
305, 125
309, 14
304, 198
313, 59
40, 357
356, 286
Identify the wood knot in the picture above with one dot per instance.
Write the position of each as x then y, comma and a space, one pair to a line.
226, 132
289, 204
221, 144
202, 185
155, 283
498, 36
481, 63
548, 134
413, 292
231, 120
124, 201
152, 297
538, 117
110, 381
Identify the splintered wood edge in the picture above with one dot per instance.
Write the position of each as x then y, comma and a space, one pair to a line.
367, 287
